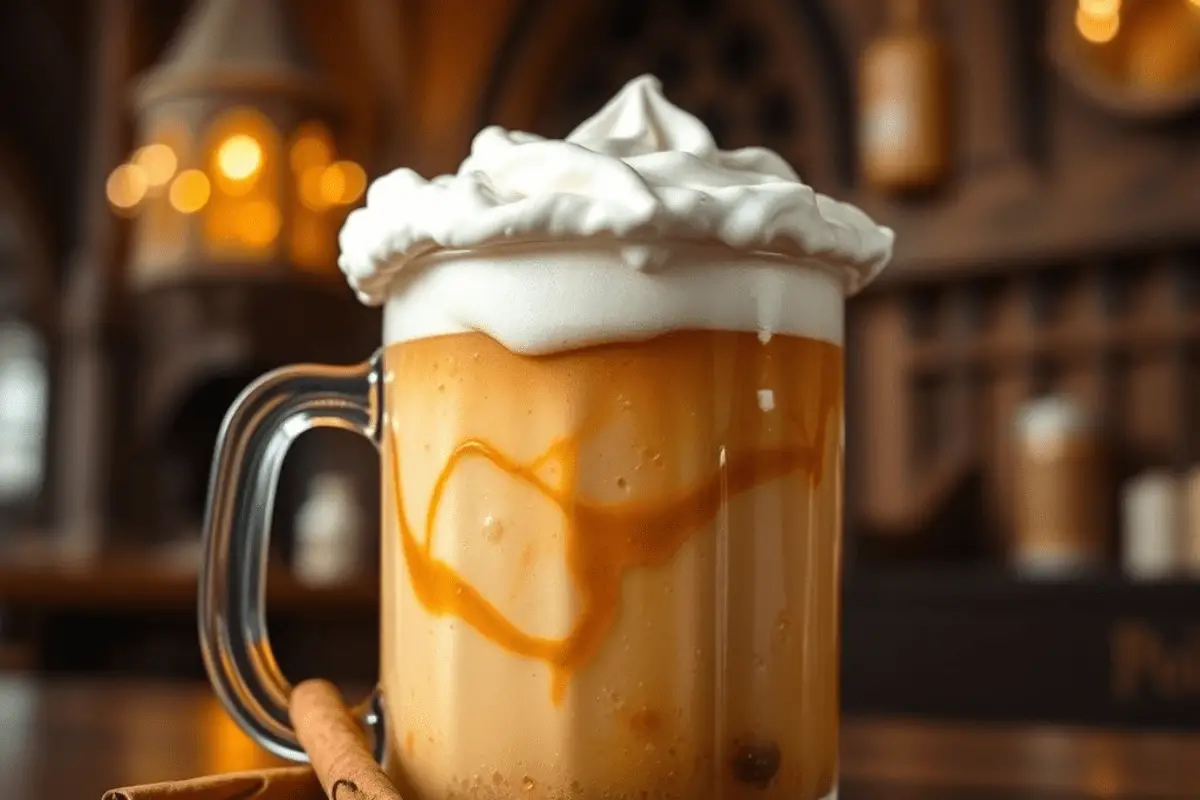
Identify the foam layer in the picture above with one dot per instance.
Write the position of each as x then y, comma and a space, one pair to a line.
642, 175
541, 299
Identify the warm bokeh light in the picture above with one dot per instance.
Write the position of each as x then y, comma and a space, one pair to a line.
126, 186
354, 181
189, 191
223, 746
341, 183
310, 188
259, 222
1097, 29
159, 162
1100, 8
239, 157
332, 185
311, 149
1161, 47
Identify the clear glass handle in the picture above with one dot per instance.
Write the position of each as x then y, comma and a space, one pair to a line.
254, 438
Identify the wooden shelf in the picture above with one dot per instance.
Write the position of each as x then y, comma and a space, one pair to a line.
980, 586
133, 582
1068, 343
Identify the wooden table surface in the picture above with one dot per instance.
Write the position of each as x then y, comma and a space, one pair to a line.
70, 740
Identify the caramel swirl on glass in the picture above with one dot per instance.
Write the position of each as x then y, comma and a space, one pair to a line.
612, 571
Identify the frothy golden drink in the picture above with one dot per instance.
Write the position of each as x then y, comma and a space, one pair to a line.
612, 459
609, 408
613, 571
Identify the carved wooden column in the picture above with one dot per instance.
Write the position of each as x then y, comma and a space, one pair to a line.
85, 407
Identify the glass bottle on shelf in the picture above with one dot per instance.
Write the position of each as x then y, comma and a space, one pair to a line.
904, 128
1059, 489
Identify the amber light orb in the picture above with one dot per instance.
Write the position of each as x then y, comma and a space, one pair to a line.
1137, 58
238, 191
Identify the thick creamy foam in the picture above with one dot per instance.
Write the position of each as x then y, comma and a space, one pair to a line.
639, 182
537, 300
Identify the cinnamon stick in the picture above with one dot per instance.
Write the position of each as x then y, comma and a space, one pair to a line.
283, 783
335, 746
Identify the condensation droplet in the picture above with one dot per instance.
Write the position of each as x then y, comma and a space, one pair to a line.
622, 484
441, 387
657, 459
527, 784
492, 528
497, 778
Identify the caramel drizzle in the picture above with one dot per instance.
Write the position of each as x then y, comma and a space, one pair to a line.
603, 542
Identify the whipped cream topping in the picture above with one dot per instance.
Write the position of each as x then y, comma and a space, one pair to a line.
642, 179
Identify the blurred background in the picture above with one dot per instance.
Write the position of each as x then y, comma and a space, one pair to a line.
1023, 472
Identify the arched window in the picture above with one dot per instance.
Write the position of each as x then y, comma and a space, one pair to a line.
27, 306
242, 219
756, 72
161, 233
313, 245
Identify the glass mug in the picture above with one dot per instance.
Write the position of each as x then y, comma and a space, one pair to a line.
610, 571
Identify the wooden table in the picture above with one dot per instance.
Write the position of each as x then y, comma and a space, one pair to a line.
71, 740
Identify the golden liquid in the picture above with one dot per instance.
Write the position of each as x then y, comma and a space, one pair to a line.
613, 571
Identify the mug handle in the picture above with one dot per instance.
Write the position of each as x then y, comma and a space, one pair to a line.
254, 438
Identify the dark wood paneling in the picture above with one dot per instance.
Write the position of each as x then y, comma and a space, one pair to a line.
985, 645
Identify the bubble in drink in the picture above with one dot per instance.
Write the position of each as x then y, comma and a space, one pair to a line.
756, 764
